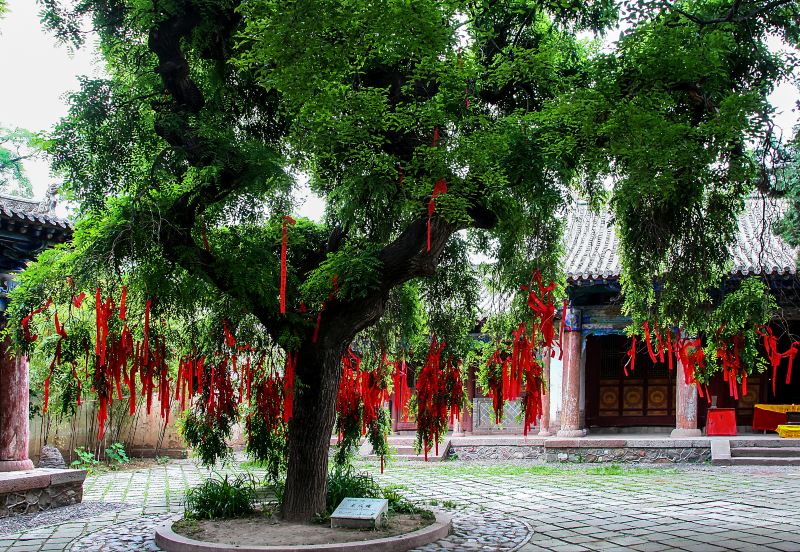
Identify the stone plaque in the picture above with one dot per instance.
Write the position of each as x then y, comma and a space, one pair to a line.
360, 512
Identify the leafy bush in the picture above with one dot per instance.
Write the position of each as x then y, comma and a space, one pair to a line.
85, 461
116, 455
222, 497
206, 436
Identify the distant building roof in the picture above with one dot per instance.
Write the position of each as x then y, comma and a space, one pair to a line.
591, 243
26, 228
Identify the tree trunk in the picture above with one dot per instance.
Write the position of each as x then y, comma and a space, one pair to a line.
314, 413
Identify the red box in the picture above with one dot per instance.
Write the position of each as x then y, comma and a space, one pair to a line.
721, 421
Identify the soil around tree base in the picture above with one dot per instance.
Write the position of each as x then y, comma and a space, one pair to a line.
403, 532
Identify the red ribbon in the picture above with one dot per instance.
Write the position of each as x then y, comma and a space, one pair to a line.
438, 189
649, 344
25, 323
288, 385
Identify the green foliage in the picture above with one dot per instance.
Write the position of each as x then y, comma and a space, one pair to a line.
207, 437
221, 497
85, 460
668, 120
182, 164
739, 312
116, 455
267, 448
377, 435
16, 145
788, 185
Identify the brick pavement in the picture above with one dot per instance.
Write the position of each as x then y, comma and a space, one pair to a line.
574, 508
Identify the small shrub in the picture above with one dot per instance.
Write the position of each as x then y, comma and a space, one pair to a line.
222, 497
85, 461
345, 482
162, 460
398, 504
116, 455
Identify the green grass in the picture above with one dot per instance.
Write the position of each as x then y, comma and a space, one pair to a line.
612, 470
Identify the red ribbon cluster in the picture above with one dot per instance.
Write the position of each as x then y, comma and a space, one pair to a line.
775, 357
730, 356
400, 386
118, 360
432, 398
360, 388
510, 374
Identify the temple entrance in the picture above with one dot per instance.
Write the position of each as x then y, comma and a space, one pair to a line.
645, 397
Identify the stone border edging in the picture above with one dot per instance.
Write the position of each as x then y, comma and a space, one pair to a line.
171, 541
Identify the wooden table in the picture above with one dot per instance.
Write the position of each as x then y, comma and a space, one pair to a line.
767, 417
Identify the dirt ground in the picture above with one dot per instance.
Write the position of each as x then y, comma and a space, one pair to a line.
265, 531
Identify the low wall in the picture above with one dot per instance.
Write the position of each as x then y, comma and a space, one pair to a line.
144, 436
645, 451
34, 491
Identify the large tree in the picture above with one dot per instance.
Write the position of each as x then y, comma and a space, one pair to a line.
182, 162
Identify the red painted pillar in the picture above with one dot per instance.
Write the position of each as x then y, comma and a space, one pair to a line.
571, 425
394, 412
685, 406
13, 410
544, 421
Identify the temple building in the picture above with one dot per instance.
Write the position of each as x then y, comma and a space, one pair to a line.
588, 388
595, 392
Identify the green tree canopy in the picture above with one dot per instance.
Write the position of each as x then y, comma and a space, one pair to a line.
182, 164
15, 146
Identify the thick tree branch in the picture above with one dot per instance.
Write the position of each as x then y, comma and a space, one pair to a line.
174, 126
403, 259
733, 15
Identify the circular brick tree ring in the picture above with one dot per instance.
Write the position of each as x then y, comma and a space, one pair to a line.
171, 541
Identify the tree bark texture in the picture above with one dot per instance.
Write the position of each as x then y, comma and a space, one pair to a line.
314, 413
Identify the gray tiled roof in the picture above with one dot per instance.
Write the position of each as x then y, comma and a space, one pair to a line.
591, 243
26, 212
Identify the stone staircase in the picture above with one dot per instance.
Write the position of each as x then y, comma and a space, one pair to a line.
755, 452
403, 449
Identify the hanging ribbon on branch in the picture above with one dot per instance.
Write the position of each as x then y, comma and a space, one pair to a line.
692, 357
400, 386
431, 399
729, 354
497, 369
439, 189
287, 221
25, 323
775, 357
288, 385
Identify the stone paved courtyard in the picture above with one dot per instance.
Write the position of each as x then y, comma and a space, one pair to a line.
495, 507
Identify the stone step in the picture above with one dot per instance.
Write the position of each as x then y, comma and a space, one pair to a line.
777, 442
411, 457
763, 461
765, 452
